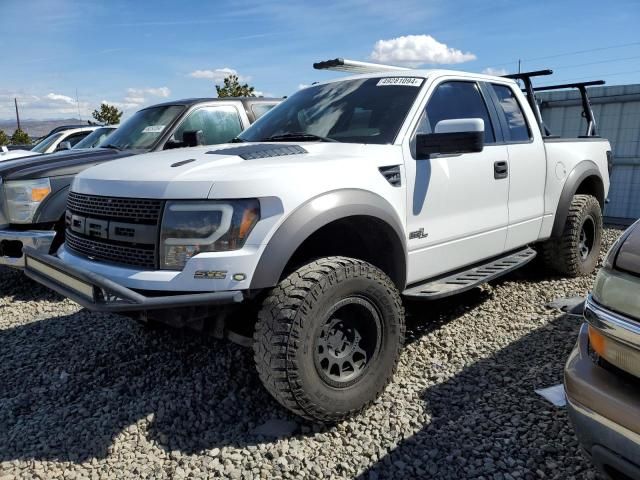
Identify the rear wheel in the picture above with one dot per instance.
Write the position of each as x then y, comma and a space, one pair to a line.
328, 338
577, 250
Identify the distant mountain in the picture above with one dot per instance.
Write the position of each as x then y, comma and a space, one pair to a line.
37, 128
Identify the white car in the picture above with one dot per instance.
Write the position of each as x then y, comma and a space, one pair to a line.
52, 143
323, 215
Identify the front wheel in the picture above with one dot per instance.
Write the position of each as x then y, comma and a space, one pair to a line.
577, 251
328, 338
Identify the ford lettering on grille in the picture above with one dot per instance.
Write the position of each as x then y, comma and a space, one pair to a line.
111, 230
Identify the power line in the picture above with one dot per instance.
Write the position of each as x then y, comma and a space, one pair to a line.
557, 55
590, 77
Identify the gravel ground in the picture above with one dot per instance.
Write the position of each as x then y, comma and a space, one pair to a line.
93, 396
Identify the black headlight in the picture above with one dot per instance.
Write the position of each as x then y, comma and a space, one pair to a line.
189, 228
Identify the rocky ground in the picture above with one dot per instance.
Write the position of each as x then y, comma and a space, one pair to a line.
98, 396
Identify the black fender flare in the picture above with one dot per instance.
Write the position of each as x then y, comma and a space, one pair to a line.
583, 170
317, 213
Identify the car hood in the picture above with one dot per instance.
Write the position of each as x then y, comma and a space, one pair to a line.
69, 162
11, 154
628, 257
216, 171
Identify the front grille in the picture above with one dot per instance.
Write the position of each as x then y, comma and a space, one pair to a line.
138, 209
122, 231
108, 252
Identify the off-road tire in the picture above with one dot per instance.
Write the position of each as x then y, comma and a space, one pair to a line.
563, 254
290, 325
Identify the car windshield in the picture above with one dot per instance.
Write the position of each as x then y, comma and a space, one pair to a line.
42, 146
369, 110
143, 128
94, 138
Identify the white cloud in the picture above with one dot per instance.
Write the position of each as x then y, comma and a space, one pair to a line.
302, 86
55, 97
39, 105
414, 50
139, 95
217, 74
494, 71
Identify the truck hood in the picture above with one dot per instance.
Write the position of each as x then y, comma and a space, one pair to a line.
11, 154
209, 172
69, 162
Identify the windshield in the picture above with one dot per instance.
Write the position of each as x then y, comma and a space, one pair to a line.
369, 110
94, 138
42, 146
143, 128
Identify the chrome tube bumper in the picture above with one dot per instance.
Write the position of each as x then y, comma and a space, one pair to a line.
13, 241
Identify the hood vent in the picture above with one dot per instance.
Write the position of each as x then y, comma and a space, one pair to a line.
392, 174
255, 151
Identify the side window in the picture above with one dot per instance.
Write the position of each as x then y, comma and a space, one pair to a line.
518, 129
76, 137
218, 124
259, 109
453, 100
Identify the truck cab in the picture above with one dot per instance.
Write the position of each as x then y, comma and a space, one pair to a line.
328, 212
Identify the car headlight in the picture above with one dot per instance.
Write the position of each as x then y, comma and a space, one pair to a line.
189, 228
23, 197
618, 291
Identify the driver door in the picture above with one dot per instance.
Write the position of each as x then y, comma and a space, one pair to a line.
457, 208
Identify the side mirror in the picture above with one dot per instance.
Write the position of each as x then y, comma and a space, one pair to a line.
64, 146
193, 138
465, 135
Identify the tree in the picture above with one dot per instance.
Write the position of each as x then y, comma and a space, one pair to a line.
20, 137
4, 140
232, 88
108, 114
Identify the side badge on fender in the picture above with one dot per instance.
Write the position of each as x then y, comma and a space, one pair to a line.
417, 234
210, 275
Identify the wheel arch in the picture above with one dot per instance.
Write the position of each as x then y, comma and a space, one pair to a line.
312, 228
585, 178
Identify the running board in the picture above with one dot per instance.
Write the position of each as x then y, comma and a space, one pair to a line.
474, 276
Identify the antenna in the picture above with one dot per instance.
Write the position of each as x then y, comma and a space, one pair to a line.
15, 100
78, 105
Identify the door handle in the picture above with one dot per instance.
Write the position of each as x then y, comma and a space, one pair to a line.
500, 170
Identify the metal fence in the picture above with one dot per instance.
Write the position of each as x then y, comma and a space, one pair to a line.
617, 112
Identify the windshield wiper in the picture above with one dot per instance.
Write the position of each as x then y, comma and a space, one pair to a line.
300, 136
110, 145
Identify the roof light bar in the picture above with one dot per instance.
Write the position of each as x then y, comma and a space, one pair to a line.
354, 66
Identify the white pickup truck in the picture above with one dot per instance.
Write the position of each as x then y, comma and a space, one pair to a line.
325, 213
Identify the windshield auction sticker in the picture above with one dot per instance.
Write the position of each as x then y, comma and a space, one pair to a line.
402, 81
153, 129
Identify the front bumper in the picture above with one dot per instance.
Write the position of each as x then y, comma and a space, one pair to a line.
98, 293
605, 410
13, 241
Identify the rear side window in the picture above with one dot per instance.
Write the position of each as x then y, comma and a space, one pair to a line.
259, 109
456, 100
518, 128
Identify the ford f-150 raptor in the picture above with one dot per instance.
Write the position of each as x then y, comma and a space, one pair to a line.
33, 191
324, 214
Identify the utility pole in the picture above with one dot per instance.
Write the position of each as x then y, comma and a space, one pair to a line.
15, 100
519, 63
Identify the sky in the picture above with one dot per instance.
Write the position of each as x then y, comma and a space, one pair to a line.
61, 57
